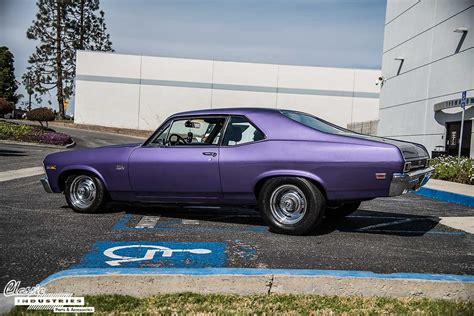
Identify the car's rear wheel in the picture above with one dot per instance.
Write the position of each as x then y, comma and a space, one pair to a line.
85, 193
340, 210
291, 205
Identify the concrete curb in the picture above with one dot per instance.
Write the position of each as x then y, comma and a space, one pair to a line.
447, 196
98, 131
243, 281
9, 142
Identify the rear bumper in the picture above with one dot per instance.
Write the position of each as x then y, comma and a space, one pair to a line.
410, 181
44, 181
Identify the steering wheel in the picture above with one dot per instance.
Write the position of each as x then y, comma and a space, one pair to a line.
179, 140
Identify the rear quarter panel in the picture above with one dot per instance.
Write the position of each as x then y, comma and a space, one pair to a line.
345, 170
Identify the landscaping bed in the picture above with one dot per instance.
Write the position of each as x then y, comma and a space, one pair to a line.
32, 134
454, 169
217, 304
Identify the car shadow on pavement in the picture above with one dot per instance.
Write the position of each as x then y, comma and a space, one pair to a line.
229, 215
360, 222
12, 153
383, 223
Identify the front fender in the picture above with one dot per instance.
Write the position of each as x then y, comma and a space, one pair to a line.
54, 177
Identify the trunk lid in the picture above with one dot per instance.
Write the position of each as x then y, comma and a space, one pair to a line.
410, 151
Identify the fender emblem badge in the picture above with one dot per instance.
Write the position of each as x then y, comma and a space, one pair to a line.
119, 167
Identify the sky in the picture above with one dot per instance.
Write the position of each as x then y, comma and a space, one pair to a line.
331, 33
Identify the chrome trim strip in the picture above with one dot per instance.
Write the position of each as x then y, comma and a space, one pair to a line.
405, 182
44, 181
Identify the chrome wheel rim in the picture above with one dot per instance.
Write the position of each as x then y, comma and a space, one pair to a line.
83, 192
288, 204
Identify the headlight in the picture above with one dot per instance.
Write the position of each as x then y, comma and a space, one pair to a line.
407, 166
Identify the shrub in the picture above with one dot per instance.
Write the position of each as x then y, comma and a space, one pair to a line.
50, 137
42, 115
5, 106
454, 169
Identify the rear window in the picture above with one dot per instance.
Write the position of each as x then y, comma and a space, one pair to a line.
315, 123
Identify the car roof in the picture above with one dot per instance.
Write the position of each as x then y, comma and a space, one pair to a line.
227, 111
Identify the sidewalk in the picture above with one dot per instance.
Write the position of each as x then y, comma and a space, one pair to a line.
449, 191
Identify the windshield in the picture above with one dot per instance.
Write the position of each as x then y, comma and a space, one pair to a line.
316, 123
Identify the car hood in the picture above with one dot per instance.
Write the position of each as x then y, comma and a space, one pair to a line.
409, 150
105, 154
120, 146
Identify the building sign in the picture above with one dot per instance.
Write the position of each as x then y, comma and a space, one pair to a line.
456, 103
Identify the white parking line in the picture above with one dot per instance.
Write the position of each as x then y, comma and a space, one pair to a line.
406, 220
148, 222
190, 222
465, 223
20, 173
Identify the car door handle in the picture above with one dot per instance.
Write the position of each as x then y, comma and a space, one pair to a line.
209, 153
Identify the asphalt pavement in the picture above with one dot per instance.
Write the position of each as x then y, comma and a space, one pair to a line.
40, 235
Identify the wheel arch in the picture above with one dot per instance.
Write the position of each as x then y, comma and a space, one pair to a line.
318, 182
65, 173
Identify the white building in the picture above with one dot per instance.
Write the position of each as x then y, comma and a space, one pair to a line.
139, 92
428, 60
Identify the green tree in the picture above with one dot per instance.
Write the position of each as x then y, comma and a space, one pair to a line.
62, 27
5, 107
88, 26
8, 84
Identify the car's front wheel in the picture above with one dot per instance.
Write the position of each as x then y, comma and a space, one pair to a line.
291, 205
84, 193
342, 209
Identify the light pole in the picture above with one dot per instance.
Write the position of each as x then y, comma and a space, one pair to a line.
463, 107
463, 31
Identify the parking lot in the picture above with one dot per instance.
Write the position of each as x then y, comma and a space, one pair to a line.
40, 235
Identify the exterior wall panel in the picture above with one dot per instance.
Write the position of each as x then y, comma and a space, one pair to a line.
337, 110
142, 91
109, 102
433, 71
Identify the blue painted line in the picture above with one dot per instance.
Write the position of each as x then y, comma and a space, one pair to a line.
447, 196
255, 271
122, 223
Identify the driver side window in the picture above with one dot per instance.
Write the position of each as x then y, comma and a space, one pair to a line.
192, 132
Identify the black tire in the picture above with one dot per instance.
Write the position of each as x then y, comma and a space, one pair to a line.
314, 200
342, 210
94, 204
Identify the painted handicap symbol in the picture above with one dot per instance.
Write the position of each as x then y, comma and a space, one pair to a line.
150, 253
154, 254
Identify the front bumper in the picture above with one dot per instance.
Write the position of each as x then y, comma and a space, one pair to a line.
44, 181
410, 181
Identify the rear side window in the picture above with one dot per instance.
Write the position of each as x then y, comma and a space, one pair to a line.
241, 131
315, 123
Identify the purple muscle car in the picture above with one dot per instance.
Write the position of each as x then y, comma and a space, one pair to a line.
296, 167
